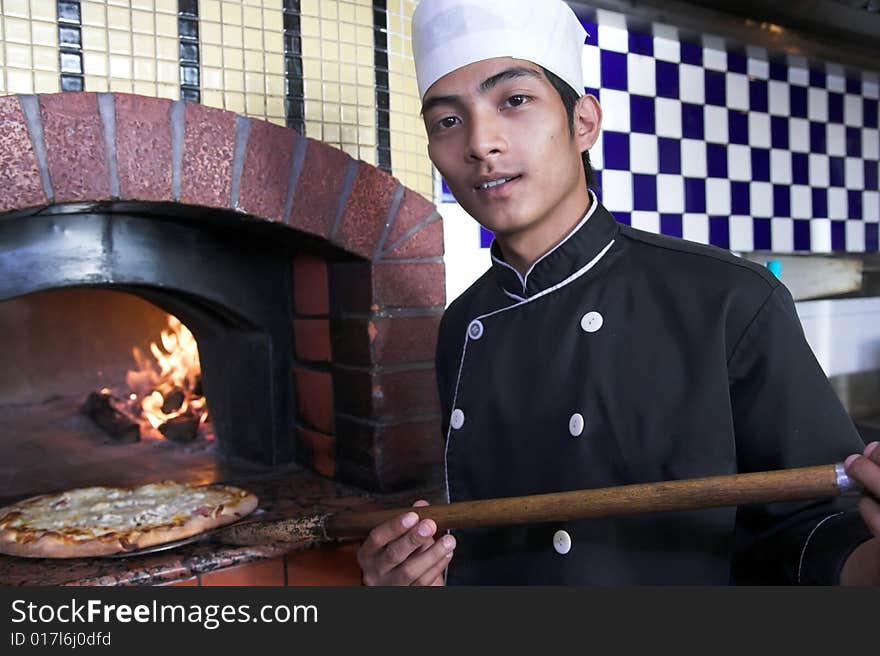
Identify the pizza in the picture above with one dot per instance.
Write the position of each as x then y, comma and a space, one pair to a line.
98, 521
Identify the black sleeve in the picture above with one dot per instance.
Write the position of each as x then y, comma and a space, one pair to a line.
787, 415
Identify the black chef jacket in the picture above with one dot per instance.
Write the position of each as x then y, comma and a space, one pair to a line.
626, 357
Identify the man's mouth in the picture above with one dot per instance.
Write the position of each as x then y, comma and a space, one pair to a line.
491, 184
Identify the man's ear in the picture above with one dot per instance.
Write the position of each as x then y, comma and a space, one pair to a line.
587, 121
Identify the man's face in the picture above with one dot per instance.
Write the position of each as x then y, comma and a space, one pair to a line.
499, 135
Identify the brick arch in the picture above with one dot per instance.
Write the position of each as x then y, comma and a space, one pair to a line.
365, 327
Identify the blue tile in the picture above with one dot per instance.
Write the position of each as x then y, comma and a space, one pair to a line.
835, 107
778, 71
641, 44
691, 53
598, 188
871, 171
737, 126
740, 198
760, 164
761, 234
853, 142
719, 232
838, 235
817, 137
641, 114
716, 160
872, 237
817, 78
623, 217
615, 149
694, 195
670, 224
593, 92
779, 132
666, 74
670, 155
801, 235
800, 168
758, 95
592, 33
613, 70
854, 85
797, 101
781, 201
716, 88
692, 121
445, 195
836, 172
736, 63
486, 238
854, 201
869, 112
820, 203
644, 191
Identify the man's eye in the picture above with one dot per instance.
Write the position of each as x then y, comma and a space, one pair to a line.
517, 100
444, 123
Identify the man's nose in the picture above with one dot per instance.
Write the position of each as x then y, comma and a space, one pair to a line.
486, 138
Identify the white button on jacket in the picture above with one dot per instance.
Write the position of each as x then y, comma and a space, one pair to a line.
475, 329
591, 322
576, 424
457, 419
562, 542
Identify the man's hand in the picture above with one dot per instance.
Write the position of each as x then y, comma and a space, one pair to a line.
403, 551
863, 565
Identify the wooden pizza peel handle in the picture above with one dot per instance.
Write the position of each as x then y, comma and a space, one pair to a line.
689, 494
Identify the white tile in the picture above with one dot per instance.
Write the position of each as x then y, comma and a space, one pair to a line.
835, 139
799, 135
615, 110
819, 170
667, 117
691, 83
855, 173
797, 71
591, 63
742, 233
780, 166
667, 48
617, 191
855, 236
714, 53
695, 227
693, 158
759, 129
649, 221
597, 154
715, 122
870, 87
717, 196
820, 235
778, 99
761, 199
834, 78
613, 38
641, 75
782, 235
611, 18
817, 104
838, 207
852, 110
737, 86
870, 143
643, 153
739, 162
871, 206
670, 193
801, 202
758, 67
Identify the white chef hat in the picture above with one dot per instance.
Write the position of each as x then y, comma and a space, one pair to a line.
449, 34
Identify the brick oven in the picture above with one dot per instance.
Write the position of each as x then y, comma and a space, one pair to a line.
312, 282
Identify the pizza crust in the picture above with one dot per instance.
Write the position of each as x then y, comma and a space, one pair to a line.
237, 503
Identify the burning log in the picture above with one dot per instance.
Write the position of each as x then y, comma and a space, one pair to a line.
173, 401
182, 428
99, 408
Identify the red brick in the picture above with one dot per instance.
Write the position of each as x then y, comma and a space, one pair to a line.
310, 285
75, 149
413, 210
386, 395
409, 284
314, 398
327, 565
143, 147
318, 449
352, 287
20, 185
208, 147
427, 242
312, 339
318, 189
385, 340
259, 573
266, 173
366, 211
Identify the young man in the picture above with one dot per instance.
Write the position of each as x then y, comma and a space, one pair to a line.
592, 354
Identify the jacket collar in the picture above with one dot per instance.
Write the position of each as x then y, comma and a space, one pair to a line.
579, 247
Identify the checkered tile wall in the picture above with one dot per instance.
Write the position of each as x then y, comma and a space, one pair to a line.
741, 149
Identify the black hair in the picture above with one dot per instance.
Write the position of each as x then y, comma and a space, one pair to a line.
569, 100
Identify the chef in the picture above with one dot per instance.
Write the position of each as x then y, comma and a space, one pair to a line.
592, 354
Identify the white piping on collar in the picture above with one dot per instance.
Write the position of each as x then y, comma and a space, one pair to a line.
807, 542
524, 279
